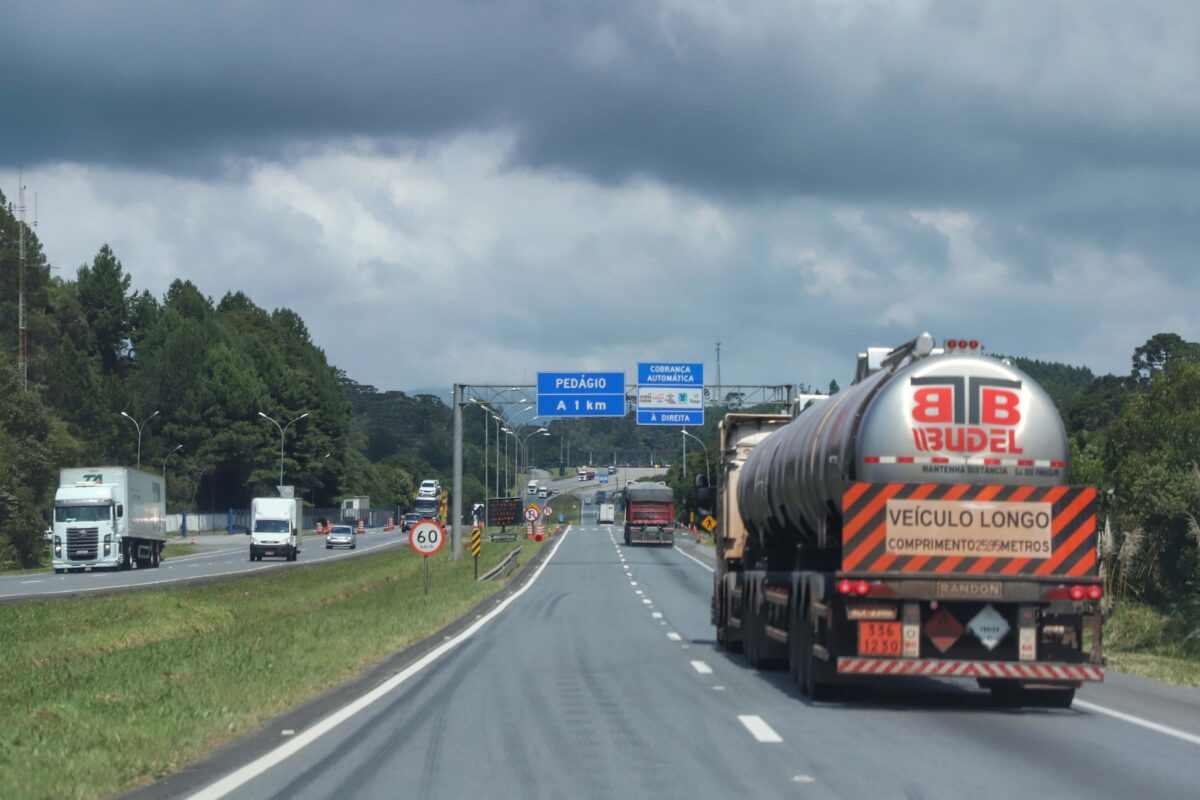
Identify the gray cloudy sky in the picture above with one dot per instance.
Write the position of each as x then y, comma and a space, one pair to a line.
472, 191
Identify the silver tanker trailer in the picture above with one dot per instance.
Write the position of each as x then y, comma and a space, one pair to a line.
918, 524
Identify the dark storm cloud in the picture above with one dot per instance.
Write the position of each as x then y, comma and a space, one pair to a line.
909, 102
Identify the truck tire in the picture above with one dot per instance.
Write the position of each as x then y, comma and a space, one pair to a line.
126, 558
155, 556
808, 671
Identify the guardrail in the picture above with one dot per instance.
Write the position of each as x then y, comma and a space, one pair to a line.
504, 567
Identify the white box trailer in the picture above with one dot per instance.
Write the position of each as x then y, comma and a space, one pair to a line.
275, 527
108, 517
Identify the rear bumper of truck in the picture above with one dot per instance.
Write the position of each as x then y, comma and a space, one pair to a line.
983, 670
272, 550
651, 534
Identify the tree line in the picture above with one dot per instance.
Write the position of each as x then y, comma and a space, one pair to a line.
102, 357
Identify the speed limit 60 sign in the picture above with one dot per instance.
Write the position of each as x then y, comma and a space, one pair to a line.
426, 537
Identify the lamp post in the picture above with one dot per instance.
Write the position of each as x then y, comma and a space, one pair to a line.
164, 469
282, 431
139, 432
524, 441
707, 472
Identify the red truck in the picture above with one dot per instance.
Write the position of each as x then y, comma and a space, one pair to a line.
649, 514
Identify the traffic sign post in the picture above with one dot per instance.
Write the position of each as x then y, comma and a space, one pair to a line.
581, 394
476, 548
670, 393
427, 538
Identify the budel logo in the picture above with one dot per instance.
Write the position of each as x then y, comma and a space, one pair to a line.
965, 414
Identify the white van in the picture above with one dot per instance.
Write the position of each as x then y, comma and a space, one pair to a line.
531, 487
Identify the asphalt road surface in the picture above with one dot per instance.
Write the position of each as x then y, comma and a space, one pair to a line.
230, 556
599, 678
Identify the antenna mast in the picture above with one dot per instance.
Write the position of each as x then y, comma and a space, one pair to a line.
22, 356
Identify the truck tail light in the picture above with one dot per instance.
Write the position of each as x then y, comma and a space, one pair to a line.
845, 586
864, 588
949, 344
861, 588
1076, 592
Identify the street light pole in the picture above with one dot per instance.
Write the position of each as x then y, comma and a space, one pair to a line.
282, 431
707, 471
139, 432
164, 469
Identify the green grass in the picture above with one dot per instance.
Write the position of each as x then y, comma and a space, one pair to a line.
176, 549
1161, 645
99, 695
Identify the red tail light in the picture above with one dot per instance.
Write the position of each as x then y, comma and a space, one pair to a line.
862, 587
1095, 591
950, 344
962, 343
845, 586
880, 589
1078, 592
974, 345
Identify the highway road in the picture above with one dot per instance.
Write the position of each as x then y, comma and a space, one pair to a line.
229, 556
599, 678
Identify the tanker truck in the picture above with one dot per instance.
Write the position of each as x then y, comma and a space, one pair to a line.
918, 524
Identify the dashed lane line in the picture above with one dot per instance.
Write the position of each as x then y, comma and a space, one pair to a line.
702, 668
759, 729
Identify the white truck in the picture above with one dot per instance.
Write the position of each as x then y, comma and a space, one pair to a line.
606, 514
275, 527
108, 517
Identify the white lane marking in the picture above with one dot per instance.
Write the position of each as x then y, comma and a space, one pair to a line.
1191, 738
240, 777
110, 587
702, 668
674, 637
638, 591
647, 600
209, 554
656, 614
693, 558
633, 583
759, 729
39, 580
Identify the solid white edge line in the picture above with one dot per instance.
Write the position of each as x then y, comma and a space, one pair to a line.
702, 668
759, 729
1190, 738
693, 558
241, 776
276, 565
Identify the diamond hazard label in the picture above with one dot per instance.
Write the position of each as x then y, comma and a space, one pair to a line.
943, 629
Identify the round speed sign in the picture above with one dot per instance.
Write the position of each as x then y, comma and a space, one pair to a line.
427, 537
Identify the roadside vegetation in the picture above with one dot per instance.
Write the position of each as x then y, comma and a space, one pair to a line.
1142, 640
102, 694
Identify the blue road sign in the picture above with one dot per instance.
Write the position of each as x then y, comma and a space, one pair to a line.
581, 394
670, 394
656, 417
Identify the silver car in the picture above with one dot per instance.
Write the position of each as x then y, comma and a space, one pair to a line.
340, 536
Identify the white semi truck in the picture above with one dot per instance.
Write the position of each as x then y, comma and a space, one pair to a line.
108, 517
275, 527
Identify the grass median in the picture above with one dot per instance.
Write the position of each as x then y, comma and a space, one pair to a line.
102, 694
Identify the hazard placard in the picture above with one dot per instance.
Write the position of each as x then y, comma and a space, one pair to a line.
943, 629
708, 523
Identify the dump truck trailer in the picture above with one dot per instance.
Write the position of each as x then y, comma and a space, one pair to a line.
918, 524
649, 513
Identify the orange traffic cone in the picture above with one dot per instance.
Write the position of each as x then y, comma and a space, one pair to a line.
361, 527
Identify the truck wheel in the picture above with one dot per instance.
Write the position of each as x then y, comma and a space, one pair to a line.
126, 559
807, 669
155, 557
